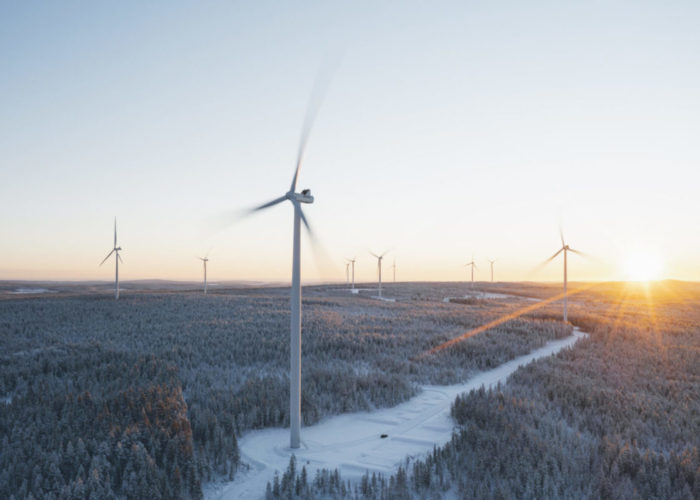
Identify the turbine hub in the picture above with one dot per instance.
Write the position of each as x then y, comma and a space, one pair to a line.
303, 197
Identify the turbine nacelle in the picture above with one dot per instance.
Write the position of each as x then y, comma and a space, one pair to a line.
303, 197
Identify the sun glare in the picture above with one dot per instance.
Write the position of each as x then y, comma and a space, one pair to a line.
642, 266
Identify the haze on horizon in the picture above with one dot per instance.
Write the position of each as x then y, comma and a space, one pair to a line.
467, 129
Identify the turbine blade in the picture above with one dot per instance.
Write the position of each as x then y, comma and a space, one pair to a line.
105, 259
120, 258
321, 84
325, 265
115, 232
306, 224
580, 253
225, 219
268, 204
561, 235
552, 257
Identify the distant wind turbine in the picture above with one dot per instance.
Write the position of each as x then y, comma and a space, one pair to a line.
491, 262
564, 248
347, 273
296, 200
204, 260
351, 262
117, 258
379, 267
393, 266
473, 265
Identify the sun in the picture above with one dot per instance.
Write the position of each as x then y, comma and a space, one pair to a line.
642, 266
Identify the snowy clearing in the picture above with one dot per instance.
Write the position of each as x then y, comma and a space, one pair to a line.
353, 443
21, 291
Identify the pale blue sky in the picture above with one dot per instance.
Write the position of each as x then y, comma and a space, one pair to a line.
450, 128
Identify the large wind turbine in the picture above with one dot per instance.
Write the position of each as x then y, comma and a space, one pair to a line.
379, 267
204, 260
351, 262
296, 199
117, 258
491, 262
566, 249
473, 265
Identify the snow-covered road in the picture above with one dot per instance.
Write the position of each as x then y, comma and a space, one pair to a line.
353, 443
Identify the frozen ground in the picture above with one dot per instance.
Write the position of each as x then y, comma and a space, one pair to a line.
488, 295
353, 443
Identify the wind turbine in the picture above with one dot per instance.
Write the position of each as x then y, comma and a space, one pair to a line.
204, 260
117, 258
351, 262
347, 273
566, 249
393, 267
491, 262
296, 199
473, 265
379, 267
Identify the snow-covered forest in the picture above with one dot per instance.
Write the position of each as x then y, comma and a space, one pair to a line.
617, 416
145, 397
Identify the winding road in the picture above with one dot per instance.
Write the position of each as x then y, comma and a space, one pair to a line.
353, 442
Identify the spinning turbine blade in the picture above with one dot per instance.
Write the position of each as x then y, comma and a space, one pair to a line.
268, 204
580, 253
115, 232
552, 257
318, 92
105, 259
120, 258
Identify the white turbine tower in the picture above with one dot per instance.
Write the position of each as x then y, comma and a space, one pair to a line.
296, 199
379, 267
471, 264
117, 258
393, 267
351, 262
491, 262
204, 260
566, 249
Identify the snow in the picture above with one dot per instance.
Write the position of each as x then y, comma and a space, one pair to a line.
385, 299
352, 442
30, 290
489, 295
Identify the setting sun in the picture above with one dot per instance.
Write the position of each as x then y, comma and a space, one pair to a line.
643, 266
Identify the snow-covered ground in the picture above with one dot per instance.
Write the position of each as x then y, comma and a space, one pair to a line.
489, 295
353, 443
30, 290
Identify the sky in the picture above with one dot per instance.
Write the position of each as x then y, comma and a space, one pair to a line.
448, 129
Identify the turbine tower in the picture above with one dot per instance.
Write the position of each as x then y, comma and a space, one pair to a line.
296, 199
491, 262
347, 273
117, 258
204, 260
393, 267
566, 249
379, 267
471, 264
351, 262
